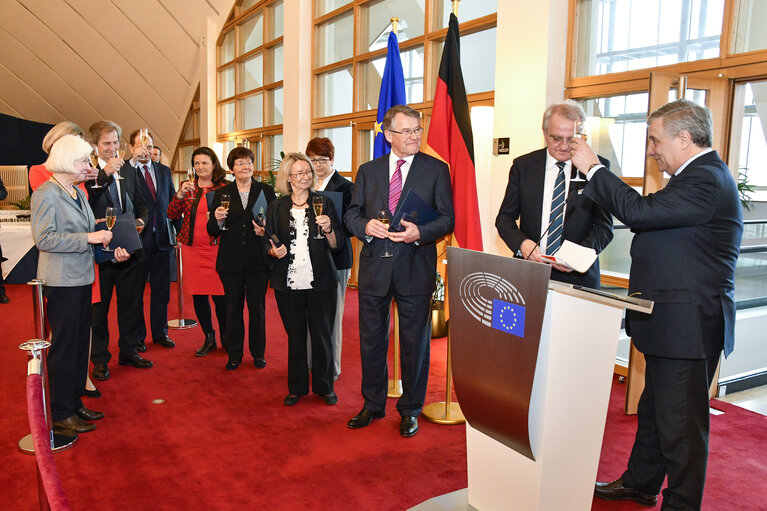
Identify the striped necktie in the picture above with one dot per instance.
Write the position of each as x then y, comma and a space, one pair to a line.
395, 187
556, 218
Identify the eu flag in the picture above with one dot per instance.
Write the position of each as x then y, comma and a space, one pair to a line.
509, 317
392, 93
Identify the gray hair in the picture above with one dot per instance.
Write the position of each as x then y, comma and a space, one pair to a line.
568, 109
685, 115
398, 109
64, 152
281, 181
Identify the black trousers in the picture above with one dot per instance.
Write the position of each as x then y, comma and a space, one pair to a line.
125, 279
315, 310
672, 431
415, 338
69, 316
238, 287
202, 311
157, 268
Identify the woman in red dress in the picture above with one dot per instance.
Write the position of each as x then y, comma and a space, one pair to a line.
200, 249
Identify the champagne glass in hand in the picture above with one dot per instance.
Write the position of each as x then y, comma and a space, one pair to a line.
225, 204
580, 132
111, 218
95, 165
121, 150
383, 217
317, 205
190, 177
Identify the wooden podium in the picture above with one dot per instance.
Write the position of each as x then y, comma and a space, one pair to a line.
568, 397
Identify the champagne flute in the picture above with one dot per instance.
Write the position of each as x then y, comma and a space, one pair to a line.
317, 205
111, 217
95, 165
190, 177
143, 135
225, 204
383, 217
121, 150
579, 132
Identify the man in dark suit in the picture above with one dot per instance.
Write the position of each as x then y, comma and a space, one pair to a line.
530, 197
686, 243
407, 276
123, 277
156, 186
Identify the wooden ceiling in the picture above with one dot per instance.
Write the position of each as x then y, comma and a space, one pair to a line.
136, 62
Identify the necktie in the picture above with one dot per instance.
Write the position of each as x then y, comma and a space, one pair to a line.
149, 182
556, 218
114, 195
395, 186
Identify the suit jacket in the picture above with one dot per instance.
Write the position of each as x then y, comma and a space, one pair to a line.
415, 263
239, 247
586, 223
323, 267
130, 195
337, 183
60, 229
157, 208
686, 243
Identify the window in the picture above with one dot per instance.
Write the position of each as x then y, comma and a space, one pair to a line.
750, 35
748, 145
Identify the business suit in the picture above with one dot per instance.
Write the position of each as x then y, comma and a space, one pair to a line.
301, 308
686, 243
124, 277
585, 223
408, 277
60, 227
242, 267
156, 248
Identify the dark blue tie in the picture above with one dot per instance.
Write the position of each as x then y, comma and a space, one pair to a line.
556, 218
115, 196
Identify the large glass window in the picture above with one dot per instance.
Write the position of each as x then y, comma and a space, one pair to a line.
748, 145
342, 141
750, 18
333, 40
621, 35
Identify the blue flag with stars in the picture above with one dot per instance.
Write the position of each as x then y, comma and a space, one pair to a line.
392, 93
509, 317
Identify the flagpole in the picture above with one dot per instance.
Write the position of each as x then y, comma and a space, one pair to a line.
455, 7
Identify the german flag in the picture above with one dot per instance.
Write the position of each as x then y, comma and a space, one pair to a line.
451, 137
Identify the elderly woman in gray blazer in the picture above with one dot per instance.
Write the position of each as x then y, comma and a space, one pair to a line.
63, 229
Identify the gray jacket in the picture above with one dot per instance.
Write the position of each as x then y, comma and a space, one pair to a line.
60, 230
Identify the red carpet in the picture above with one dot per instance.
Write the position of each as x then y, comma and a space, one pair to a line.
224, 440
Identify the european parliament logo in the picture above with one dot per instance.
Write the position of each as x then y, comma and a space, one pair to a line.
494, 302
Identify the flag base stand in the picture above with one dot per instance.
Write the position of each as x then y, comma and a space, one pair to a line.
444, 413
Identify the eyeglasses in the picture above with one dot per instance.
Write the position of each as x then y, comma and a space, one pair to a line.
407, 132
322, 159
243, 164
299, 175
559, 140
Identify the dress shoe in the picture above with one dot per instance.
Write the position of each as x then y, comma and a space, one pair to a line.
164, 341
232, 365
141, 346
100, 371
89, 415
4, 298
291, 399
364, 418
616, 491
137, 361
408, 425
92, 393
74, 424
331, 398
259, 363
208, 345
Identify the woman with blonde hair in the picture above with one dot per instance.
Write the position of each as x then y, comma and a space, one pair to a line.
38, 174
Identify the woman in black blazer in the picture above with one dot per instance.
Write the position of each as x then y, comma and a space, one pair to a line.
241, 262
304, 277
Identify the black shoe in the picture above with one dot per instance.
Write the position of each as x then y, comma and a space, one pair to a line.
331, 398
291, 399
616, 491
141, 346
72, 424
259, 363
364, 418
232, 365
89, 415
408, 425
208, 345
100, 371
164, 341
92, 393
4, 298
137, 361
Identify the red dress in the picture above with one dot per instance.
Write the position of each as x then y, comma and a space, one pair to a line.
199, 258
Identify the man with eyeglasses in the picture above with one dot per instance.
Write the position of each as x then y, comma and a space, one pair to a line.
407, 275
549, 205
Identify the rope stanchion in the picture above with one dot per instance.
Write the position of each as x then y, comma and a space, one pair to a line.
180, 323
445, 412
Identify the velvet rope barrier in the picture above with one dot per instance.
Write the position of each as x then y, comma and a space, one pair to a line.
49, 474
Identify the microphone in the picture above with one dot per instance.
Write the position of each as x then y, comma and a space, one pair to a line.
573, 191
261, 223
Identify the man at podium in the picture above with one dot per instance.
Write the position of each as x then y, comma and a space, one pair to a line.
686, 243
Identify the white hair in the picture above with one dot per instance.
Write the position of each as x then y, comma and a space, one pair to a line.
65, 151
